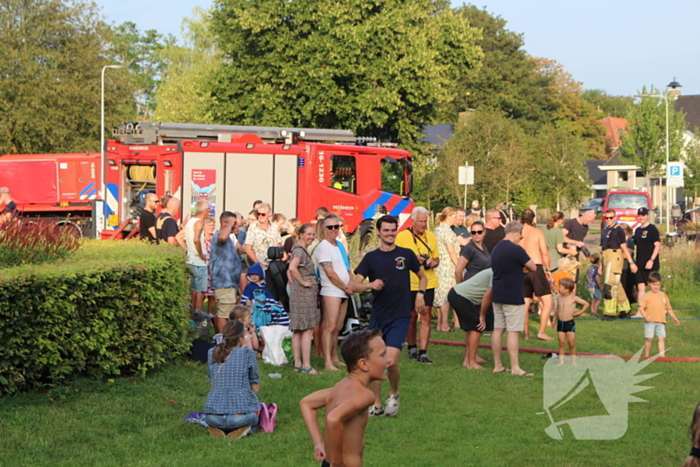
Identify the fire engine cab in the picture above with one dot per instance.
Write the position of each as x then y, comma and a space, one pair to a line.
296, 170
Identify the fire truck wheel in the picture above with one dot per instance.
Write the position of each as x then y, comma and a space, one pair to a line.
71, 227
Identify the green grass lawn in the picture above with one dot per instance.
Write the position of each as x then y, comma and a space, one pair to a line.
449, 415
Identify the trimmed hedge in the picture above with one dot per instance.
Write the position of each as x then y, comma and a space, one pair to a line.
112, 307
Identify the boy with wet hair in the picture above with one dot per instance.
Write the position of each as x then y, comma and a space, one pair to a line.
347, 403
564, 317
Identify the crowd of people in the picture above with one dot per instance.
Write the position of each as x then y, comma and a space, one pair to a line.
492, 272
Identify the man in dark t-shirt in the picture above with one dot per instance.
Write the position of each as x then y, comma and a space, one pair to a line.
508, 261
147, 220
494, 230
648, 242
388, 269
166, 225
575, 230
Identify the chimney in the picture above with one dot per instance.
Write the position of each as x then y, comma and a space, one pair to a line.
674, 88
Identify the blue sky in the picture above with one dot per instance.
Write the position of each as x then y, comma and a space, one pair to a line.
615, 45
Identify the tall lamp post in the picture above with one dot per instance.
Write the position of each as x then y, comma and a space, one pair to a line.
668, 197
102, 133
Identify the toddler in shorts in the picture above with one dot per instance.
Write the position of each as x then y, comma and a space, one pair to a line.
593, 278
564, 318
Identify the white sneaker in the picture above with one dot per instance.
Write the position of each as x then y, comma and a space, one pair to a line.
391, 406
375, 411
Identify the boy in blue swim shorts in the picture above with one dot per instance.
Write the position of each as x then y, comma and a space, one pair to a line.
564, 318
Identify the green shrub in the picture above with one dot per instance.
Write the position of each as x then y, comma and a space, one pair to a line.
24, 241
112, 307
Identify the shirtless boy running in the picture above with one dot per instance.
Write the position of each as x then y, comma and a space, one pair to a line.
347, 403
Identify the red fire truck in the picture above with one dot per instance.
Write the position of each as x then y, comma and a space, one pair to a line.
296, 170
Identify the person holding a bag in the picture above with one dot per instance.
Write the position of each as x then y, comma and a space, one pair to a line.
230, 409
303, 314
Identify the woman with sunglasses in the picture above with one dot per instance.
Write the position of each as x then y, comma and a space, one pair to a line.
474, 255
334, 270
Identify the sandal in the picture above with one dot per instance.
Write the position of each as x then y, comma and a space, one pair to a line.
309, 370
298, 369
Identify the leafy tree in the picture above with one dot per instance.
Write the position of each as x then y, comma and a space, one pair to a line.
182, 94
378, 67
50, 65
644, 142
569, 110
140, 53
611, 106
533, 91
506, 81
561, 173
691, 172
497, 148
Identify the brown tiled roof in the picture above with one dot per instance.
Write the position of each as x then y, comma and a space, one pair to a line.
691, 106
613, 127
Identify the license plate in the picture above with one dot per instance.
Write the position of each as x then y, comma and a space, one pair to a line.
628, 218
113, 220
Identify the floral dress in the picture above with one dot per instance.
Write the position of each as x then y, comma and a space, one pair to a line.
446, 269
303, 312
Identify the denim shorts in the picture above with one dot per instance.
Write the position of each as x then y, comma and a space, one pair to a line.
595, 293
654, 328
230, 422
198, 279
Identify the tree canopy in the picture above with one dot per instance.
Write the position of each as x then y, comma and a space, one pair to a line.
53, 53
378, 67
507, 80
644, 142
496, 146
610, 106
141, 53
182, 95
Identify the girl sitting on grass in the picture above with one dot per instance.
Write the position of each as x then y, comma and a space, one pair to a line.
230, 409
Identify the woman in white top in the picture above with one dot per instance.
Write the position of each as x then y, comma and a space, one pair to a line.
335, 277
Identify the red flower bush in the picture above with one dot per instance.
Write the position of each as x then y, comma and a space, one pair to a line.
25, 241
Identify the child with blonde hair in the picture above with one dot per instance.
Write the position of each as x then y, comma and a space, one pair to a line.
244, 315
566, 268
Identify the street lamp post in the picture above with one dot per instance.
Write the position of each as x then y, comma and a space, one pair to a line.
668, 197
102, 133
